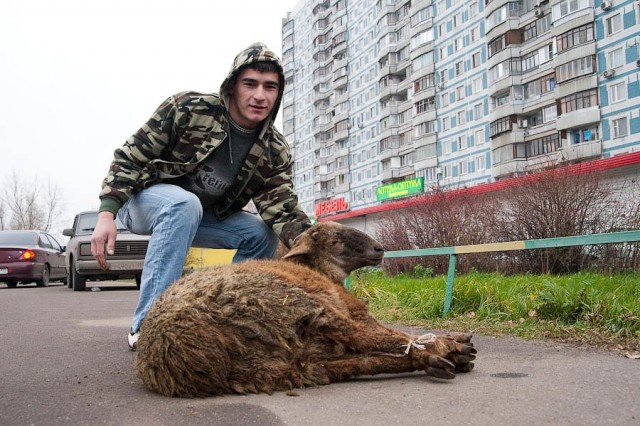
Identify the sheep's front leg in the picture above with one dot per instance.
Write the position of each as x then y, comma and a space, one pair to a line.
366, 365
376, 363
438, 356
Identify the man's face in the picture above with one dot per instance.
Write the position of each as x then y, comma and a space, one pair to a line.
253, 97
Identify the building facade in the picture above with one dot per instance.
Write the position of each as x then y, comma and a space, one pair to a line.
453, 93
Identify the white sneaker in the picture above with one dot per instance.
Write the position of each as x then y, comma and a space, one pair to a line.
133, 340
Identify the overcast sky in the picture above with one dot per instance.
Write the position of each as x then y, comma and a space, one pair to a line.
78, 77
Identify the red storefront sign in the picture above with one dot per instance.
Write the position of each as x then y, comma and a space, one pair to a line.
331, 206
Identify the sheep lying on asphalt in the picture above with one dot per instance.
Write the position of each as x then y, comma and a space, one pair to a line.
264, 326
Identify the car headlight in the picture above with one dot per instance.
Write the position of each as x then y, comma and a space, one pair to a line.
85, 249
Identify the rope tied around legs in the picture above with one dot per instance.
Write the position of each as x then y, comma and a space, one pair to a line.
420, 342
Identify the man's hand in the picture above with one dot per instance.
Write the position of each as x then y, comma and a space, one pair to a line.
104, 236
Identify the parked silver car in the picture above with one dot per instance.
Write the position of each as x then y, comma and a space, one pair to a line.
125, 263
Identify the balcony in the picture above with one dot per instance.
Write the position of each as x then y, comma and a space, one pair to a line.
388, 153
390, 173
339, 48
583, 150
389, 90
340, 82
578, 118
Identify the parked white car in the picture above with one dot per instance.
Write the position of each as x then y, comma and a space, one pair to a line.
125, 263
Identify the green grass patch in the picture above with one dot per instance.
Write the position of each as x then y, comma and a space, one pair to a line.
587, 307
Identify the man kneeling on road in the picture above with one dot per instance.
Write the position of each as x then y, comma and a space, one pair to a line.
186, 175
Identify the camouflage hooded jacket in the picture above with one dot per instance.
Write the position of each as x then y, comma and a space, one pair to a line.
185, 129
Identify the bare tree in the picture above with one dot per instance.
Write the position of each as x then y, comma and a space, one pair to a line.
27, 204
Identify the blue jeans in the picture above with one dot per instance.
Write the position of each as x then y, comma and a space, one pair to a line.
175, 220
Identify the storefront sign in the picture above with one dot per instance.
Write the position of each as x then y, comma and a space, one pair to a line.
400, 189
331, 206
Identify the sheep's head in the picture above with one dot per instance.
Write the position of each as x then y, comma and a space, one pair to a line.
335, 250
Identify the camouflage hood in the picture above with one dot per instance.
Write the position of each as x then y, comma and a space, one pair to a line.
257, 52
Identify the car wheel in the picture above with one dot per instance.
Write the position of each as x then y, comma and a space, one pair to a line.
70, 275
44, 281
12, 284
79, 282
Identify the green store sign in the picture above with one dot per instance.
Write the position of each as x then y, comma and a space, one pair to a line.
400, 189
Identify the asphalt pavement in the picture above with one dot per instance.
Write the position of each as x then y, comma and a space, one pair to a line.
64, 360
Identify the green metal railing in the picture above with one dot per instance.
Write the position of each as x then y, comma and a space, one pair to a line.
453, 251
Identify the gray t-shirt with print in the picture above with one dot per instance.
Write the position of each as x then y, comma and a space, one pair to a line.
219, 170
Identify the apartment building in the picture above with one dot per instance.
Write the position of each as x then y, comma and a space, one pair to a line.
391, 98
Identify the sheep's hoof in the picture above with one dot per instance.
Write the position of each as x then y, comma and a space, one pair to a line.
440, 368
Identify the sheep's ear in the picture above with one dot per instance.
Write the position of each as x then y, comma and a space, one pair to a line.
303, 247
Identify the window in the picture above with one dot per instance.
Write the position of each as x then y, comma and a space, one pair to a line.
458, 44
529, 31
463, 167
500, 100
549, 113
459, 93
478, 111
584, 135
500, 126
478, 136
619, 127
613, 24
496, 45
445, 124
532, 60
423, 83
474, 34
480, 163
506, 68
457, 20
424, 152
500, 15
618, 92
421, 38
424, 128
575, 37
547, 83
429, 174
421, 16
405, 139
580, 100
461, 117
444, 100
575, 68
476, 85
443, 52
543, 145
423, 60
615, 58
446, 147
447, 171
461, 142
459, 68
474, 8
509, 152
341, 126
566, 7
475, 60
425, 105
